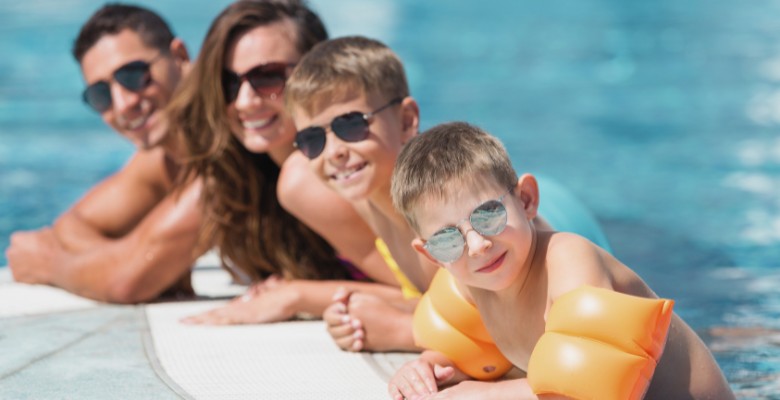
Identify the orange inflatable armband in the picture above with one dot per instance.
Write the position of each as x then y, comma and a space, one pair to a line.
600, 344
448, 323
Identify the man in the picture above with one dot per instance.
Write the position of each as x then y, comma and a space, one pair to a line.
134, 235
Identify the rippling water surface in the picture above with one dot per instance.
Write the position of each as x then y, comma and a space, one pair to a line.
662, 116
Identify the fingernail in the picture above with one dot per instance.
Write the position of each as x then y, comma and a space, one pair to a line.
345, 319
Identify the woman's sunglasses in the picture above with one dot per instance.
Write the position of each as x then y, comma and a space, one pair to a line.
266, 79
488, 219
133, 76
350, 127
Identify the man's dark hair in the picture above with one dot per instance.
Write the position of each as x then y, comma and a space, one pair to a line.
113, 18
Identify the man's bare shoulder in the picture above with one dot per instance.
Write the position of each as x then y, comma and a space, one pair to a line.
153, 168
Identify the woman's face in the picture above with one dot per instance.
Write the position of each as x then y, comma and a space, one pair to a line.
260, 121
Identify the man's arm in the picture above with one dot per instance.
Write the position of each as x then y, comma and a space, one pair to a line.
126, 241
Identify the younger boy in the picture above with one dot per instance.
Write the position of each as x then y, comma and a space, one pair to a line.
456, 176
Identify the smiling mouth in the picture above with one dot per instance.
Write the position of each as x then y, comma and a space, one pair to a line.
493, 265
138, 122
347, 173
258, 123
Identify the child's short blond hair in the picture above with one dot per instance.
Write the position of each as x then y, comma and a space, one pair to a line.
449, 153
341, 67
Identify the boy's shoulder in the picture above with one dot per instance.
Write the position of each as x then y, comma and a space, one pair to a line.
571, 261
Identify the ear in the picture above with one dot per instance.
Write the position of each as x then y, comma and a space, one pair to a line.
180, 54
410, 114
527, 192
419, 246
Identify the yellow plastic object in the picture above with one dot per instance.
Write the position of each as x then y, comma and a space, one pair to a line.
408, 289
600, 344
446, 322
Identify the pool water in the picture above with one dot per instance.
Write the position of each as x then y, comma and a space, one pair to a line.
662, 116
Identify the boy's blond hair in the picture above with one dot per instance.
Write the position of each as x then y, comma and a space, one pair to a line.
338, 68
454, 152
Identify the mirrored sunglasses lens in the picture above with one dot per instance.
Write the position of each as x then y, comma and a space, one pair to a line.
489, 218
311, 141
351, 127
98, 96
446, 245
133, 76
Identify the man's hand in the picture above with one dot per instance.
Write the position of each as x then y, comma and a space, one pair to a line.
32, 255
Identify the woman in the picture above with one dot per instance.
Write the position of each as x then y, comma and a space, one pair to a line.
229, 115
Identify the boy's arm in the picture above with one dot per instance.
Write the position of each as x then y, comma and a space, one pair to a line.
307, 198
423, 376
573, 261
124, 242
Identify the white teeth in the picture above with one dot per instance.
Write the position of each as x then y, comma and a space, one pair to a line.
145, 109
258, 123
347, 173
136, 123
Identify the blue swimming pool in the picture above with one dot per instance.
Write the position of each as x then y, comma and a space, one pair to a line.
662, 116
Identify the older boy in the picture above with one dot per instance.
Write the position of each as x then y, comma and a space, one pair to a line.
350, 101
132, 237
474, 217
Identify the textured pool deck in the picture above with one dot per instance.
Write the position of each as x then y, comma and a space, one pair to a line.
56, 345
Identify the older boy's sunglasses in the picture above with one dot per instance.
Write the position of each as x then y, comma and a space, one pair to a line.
133, 76
488, 219
266, 79
349, 127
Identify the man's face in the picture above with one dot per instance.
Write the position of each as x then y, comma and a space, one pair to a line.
136, 114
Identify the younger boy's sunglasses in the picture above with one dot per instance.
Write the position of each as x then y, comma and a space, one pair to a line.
349, 127
133, 76
488, 219
266, 79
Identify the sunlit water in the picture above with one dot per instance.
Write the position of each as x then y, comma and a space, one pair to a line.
662, 116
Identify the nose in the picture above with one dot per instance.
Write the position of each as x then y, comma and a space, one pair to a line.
477, 243
122, 99
247, 97
335, 150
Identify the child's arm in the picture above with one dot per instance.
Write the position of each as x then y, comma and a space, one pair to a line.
362, 321
423, 376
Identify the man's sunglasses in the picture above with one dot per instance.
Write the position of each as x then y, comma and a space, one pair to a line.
266, 79
133, 76
349, 127
488, 219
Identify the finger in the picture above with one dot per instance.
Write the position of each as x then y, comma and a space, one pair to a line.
394, 393
345, 343
419, 378
341, 294
443, 374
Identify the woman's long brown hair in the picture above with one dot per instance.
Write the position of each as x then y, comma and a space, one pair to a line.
243, 217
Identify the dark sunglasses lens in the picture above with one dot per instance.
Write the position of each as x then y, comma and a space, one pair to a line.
311, 141
268, 79
446, 245
231, 84
133, 76
489, 218
98, 96
351, 127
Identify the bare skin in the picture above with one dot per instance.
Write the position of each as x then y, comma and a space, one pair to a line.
368, 190
263, 126
514, 277
131, 237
